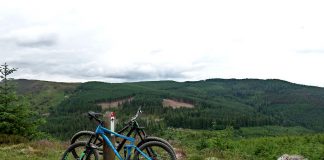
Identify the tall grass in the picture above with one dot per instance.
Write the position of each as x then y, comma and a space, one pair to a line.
43, 149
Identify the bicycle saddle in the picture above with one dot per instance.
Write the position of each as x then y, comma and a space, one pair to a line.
92, 114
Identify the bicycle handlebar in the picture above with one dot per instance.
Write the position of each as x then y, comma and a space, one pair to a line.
136, 115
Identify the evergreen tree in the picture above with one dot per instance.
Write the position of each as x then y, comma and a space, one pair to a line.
15, 115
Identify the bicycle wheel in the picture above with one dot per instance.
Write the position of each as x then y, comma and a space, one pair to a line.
156, 151
151, 138
81, 151
85, 136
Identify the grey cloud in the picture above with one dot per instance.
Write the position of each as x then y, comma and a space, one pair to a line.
88, 71
310, 51
129, 75
41, 41
133, 75
29, 37
156, 51
46, 63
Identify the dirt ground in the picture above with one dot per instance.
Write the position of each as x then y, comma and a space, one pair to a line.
114, 104
176, 104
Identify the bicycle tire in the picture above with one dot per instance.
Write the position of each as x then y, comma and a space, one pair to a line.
158, 139
157, 148
77, 138
88, 134
83, 147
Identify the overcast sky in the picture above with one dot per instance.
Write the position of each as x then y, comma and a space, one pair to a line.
122, 41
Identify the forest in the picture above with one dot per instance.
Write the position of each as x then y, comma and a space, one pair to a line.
214, 118
218, 103
228, 118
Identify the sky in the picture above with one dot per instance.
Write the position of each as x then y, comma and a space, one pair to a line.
181, 40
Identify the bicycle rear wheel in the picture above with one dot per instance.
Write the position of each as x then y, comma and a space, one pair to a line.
156, 151
151, 138
81, 150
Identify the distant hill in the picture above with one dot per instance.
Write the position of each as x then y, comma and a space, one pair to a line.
44, 95
217, 103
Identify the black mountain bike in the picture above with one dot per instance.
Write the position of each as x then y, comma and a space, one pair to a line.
133, 127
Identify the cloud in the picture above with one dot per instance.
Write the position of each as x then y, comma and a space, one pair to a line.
92, 71
310, 51
34, 37
70, 41
40, 41
157, 51
136, 75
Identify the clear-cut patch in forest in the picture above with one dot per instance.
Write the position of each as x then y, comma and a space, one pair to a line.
114, 104
176, 104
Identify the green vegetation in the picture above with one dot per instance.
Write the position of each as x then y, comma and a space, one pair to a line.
218, 103
264, 131
201, 144
42, 95
231, 119
15, 115
37, 150
196, 145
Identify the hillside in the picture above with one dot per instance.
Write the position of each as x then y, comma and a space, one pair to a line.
217, 103
43, 95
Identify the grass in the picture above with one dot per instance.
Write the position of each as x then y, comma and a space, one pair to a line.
271, 131
37, 150
201, 144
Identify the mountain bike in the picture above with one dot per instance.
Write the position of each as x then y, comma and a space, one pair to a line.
151, 150
133, 127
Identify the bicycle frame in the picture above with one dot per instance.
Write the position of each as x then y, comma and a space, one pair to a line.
102, 131
134, 128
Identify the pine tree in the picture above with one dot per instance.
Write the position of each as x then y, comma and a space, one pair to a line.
5, 95
15, 115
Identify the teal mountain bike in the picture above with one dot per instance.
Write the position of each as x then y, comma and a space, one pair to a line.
131, 126
85, 150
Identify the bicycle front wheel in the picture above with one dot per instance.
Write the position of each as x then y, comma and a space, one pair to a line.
156, 151
81, 150
85, 136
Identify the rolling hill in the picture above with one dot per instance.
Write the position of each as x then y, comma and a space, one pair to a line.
43, 95
217, 103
